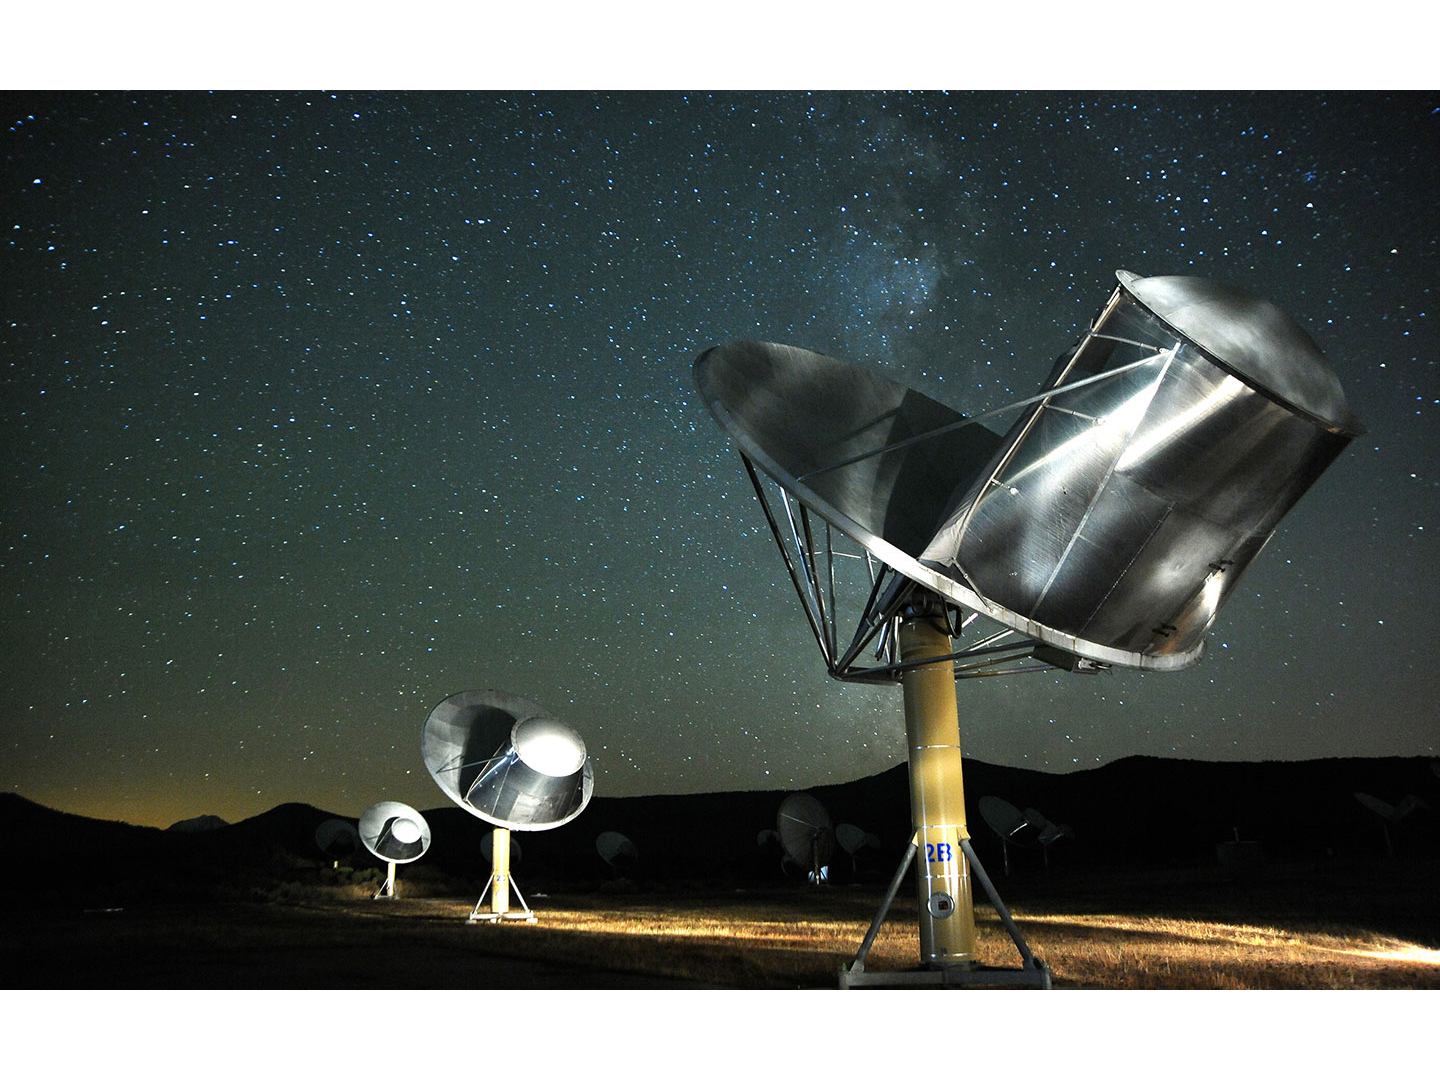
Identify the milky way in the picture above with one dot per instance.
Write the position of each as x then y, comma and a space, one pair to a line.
319, 408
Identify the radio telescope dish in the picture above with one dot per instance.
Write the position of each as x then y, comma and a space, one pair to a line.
1008, 823
487, 849
1104, 528
1004, 818
506, 760
806, 835
393, 833
1391, 815
1046, 831
855, 840
337, 838
1112, 519
617, 849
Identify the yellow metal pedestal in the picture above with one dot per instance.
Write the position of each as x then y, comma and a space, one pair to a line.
499, 886
937, 796
941, 843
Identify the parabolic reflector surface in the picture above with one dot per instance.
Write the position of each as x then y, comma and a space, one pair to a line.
506, 760
394, 832
1118, 511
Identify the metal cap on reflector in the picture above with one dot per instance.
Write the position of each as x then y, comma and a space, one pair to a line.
1251, 338
506, 760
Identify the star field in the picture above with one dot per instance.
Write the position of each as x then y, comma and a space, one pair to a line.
321, 407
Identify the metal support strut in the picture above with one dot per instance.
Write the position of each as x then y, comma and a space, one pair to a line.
1033, 972
387, 887
502, 882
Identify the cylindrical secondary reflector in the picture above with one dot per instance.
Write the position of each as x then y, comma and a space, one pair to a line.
1122, 508
405, 831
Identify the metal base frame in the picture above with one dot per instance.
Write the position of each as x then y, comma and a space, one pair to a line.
387, 887
1033, 973
525, 915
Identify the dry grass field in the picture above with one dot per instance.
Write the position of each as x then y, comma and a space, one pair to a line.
1369, 927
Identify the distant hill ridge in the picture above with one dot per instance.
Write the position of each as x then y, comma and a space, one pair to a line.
204, 823
1135, 811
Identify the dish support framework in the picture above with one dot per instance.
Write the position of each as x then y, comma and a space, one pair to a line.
499, 886
908, 631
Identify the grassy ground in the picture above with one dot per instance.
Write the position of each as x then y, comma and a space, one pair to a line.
801, 939
1311, 927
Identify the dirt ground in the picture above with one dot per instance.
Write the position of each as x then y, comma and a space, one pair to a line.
1094, 935
405, 945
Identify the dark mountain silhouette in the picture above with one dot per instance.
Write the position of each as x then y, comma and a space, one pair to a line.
1138, 812
204, 823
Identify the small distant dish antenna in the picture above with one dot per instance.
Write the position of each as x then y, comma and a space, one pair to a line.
511, 763
1391, 815
1021, 828
1007, 822
617, 850
394, 833
487, 849
806, 835
855, 841
1104, 528
337, 839
1046, 831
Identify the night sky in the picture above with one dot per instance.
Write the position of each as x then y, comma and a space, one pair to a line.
321, 407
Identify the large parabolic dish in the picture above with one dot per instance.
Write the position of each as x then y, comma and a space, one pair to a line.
1105, 527
394, 832
1118, 511
506, 760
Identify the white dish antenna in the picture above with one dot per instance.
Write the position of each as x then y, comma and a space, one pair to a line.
1021, 828
1104, 528
617, 849
1391, 815
506, 760
855, 841
1008, 823
1004, 818
337, 838
487, 849
509, 762
1046, 831
394, 833
1111, 521
806, 835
